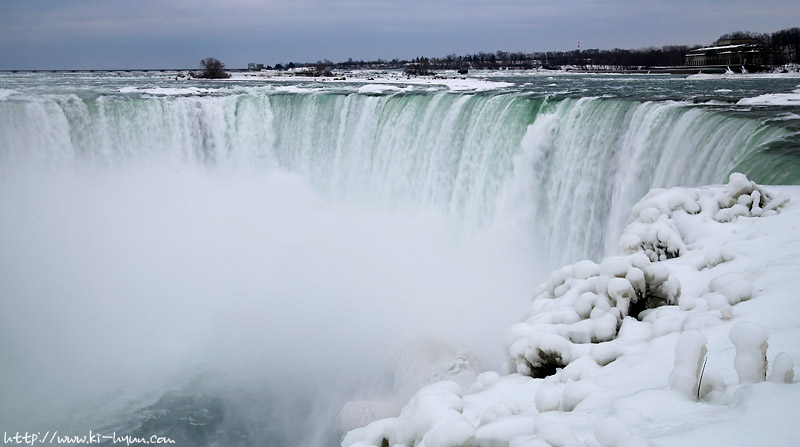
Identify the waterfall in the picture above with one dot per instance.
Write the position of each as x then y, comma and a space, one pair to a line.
568, 169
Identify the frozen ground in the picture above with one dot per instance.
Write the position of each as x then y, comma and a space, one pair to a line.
688, 338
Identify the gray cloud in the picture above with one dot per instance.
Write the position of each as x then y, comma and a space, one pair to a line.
115, 34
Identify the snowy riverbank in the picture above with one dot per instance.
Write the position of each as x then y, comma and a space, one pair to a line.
688, 338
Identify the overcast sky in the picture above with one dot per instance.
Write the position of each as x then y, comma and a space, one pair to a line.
38, 34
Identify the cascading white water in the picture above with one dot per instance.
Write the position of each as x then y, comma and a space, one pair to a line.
586, 161
569, 170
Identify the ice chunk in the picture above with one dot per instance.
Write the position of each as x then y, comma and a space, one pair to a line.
782, 369
712, 386
690, 353
750, 341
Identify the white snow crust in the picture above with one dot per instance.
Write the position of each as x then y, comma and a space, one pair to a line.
670, 343
774, 99
388, 79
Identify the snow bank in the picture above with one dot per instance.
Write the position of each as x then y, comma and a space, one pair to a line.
164, 91
666, 344
388, 79
378, 89
773, 99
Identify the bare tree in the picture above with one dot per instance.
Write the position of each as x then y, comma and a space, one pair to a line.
212, 69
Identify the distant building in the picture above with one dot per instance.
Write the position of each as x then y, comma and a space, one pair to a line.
254, 66
733, 52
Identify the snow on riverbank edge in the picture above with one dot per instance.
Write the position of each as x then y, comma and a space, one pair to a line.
692, 371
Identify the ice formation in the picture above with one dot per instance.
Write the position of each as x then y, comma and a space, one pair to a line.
690, 353
637, 350
751, 351
583, 304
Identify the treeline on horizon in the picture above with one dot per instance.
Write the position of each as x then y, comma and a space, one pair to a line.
787, 42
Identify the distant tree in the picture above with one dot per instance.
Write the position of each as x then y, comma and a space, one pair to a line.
788, 40
744, 35
212, 69
421, 66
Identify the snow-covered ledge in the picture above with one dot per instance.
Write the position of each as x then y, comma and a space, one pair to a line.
689, 337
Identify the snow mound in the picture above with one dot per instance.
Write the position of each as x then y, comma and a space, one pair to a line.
655, 231
584, 304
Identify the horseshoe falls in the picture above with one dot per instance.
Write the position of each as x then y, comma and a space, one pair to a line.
229, 263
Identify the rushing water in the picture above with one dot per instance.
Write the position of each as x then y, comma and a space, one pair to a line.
227, 263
